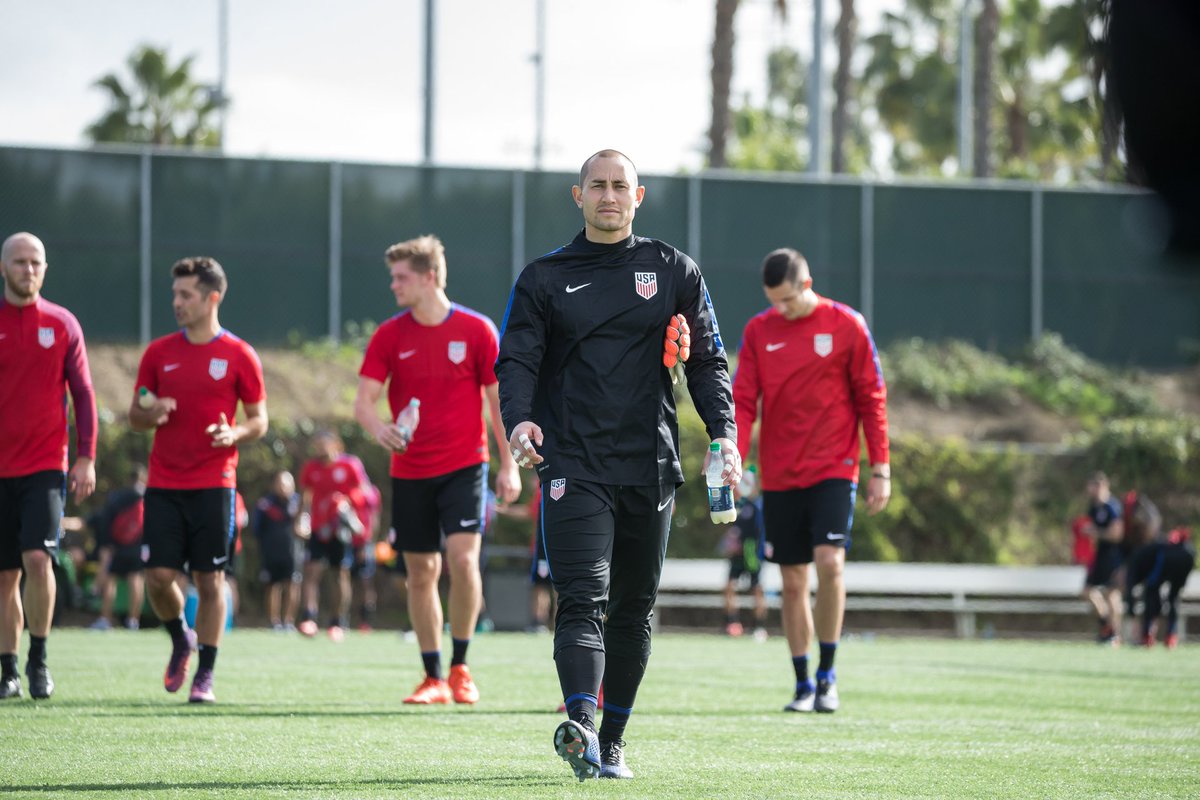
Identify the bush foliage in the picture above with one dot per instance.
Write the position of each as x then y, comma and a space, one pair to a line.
953, 501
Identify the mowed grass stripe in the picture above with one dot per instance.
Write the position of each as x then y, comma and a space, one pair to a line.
310, 719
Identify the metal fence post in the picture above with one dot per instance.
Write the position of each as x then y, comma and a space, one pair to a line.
866, 245
1036, 266
695, 209
518, 224
335, 251
144, 242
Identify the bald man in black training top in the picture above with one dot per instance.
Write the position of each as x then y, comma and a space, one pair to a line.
587, 401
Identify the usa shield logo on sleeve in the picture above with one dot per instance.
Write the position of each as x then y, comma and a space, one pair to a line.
457, 352
558, 487
46, 337
646, 284
217, 368
823, 344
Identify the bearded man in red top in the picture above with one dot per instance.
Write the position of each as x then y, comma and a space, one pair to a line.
443, 355
193, 380
813, 367
41, 355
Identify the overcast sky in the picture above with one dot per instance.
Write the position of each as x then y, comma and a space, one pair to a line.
344, 80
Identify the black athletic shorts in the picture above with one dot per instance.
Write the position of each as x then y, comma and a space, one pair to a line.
1105, 566
283, 571
738, 568
128, 559
193, 527
31, 509
425, 508
797, 520
332, 551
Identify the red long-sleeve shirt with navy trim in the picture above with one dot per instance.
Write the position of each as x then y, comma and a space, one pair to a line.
42, 355
818, 379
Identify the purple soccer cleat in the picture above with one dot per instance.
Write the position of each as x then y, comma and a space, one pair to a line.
177, 666
202, 687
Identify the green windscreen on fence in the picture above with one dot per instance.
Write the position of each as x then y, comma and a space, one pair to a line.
85, 207
303, 244
266, 222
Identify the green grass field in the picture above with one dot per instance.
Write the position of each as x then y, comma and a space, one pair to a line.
300, 719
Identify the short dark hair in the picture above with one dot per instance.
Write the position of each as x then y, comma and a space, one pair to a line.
784, 264
205, 269
606, 153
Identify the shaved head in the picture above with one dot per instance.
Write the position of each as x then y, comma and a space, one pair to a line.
583, 171
20, 238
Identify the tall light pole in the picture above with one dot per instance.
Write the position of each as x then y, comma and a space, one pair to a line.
222, 67
966, 99
816, 106
539, 95
430, 32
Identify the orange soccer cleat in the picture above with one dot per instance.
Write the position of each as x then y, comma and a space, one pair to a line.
462, 688
432, 691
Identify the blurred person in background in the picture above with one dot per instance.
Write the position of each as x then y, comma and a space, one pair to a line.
743, 544
276, 528
336, 494
812, 365
42, 359
118, 527
443, 355
1102, 585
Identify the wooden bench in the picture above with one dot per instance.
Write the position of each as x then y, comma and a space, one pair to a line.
963, 590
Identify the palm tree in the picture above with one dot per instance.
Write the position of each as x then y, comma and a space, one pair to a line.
846, 32
986, 31
722, 77
161, 105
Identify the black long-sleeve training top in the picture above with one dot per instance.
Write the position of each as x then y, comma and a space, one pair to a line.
581, 355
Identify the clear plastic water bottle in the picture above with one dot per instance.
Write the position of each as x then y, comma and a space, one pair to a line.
146, 398
408, 419
720, 496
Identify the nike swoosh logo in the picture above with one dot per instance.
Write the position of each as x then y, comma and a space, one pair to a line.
576, 288
665, 503
220, 560
170, 367
835, 536
467, 523
407, 354
771, 348
50, 543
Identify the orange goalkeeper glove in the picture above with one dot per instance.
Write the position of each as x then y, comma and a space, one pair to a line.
677, 346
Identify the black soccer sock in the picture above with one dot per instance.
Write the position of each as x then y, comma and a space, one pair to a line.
612, 726
8, 664
731, 618
459, 654
624, 668
367, 613
800, 665
37, 649
828, 651
176, 628
208, 656
580, 670
433, 663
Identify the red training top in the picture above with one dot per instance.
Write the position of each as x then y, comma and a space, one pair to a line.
41, 354
329, 482
818, 378
445, 366
205, 380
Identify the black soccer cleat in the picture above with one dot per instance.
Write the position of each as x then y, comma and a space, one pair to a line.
10, 686
579, 747
612, 760
41, 685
